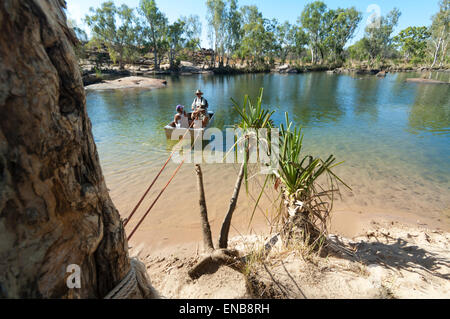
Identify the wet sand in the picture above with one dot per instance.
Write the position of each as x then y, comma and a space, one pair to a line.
175, 218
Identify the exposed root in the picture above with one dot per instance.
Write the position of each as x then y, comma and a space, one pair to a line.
217, 258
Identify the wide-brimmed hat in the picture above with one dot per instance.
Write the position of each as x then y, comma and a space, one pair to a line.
199, 92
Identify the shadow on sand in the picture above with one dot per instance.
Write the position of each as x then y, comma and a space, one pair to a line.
394, 254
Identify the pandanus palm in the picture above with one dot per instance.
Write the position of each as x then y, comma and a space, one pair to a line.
307, 201
307, 204
253, 118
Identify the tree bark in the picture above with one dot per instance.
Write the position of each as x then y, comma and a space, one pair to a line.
55, 210
206, 229
223, 239
436, 53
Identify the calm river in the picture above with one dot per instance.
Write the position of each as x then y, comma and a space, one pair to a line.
393, 136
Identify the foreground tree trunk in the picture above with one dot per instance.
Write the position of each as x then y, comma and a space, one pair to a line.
55, 210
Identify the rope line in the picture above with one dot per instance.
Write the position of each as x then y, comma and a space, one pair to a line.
154, 180
163, 189
135, 282
154, 202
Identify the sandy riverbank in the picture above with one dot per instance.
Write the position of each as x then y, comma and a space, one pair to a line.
390, 260
131, 82
400, 254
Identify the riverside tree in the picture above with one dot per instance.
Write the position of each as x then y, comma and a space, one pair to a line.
285, 37
378, 39
440, 30
233, 29
341, 27
258, 36
301, 40
312, 20
216, 15
175, 39
156, 28
244, 33
413, 42
114, 27
192, 31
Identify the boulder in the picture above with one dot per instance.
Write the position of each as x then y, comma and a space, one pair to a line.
164, 67
91, 79
186, 64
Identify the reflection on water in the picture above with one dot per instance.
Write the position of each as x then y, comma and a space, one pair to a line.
430, 111
393, 135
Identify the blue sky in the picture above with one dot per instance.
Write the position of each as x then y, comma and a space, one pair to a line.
414, 12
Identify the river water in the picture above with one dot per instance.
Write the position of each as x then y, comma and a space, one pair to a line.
394, 137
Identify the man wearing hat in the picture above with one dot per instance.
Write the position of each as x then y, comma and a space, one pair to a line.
200, 101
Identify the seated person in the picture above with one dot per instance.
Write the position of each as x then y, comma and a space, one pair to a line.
180, 120
201, 116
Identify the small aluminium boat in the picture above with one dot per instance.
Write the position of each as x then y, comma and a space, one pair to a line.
170, 130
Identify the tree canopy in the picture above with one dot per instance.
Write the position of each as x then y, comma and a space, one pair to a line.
242, 34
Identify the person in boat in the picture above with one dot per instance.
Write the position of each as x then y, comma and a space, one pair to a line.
181, 120
199, 101
200, 117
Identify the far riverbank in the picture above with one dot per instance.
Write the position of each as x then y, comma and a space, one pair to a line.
93, 74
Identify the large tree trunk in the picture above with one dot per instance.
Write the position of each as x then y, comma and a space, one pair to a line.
54, 206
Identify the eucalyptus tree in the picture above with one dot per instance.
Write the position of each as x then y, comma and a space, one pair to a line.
313, 22
192, 31
378, 37
342, 24
440, 30
233, 28
217, 16
285, 36
300, 40
176, 40
357, 51
254, 33
156, 28
271, 45
413, 42
114, 27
